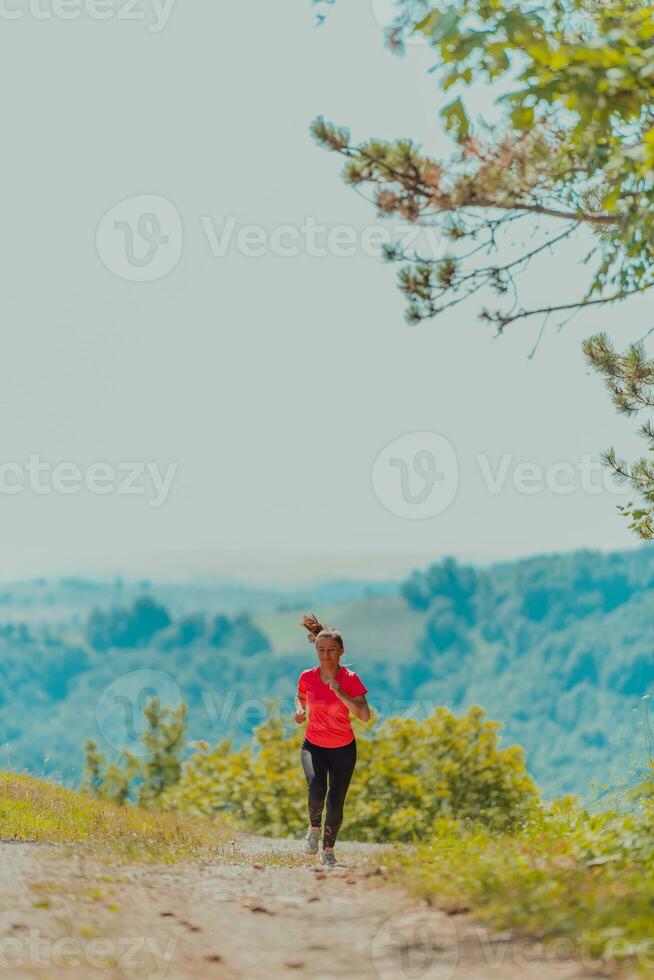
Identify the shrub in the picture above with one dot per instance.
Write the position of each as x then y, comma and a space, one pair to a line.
565, 873
409, 773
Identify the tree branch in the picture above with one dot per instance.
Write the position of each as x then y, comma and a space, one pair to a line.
504, 321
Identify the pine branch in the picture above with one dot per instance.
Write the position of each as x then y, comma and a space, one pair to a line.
504, 320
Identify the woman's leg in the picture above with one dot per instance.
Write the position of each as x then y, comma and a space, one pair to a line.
341, 766
315, 772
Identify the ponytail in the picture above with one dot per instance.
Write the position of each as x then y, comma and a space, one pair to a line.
315, 629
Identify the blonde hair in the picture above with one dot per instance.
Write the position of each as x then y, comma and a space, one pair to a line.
316, 629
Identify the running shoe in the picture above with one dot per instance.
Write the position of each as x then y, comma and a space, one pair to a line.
311, 840
327, 858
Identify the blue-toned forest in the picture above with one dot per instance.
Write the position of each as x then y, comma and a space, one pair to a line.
557, 648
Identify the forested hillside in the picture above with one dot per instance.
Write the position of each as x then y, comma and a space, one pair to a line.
557, 648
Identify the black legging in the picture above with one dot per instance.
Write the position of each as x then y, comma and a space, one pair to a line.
339, 763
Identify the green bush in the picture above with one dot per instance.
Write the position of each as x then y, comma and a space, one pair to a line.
408, 774
565, 873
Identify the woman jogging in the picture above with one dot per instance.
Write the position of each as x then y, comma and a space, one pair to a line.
329, 748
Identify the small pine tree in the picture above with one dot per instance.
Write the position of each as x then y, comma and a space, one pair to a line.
629, 378
161, 768
94, 763
109, 782
118, 777
163, 740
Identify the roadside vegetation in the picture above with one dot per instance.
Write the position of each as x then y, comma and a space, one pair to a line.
580, 882
37, 810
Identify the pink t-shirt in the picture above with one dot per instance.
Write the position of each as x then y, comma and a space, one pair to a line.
329, 719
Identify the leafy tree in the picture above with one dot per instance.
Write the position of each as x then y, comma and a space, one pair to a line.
184, 632
446, 580
220, 630
246, 637
575, 145
240, 634
573, 150
126, 627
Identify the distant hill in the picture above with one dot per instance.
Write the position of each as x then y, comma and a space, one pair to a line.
558, 648
69, 600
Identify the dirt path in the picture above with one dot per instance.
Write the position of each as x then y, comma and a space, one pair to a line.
261, 913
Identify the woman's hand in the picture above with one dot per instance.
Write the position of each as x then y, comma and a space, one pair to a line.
335, 686
300, 711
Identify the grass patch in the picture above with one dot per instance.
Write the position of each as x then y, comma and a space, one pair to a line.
566, 873
38, 810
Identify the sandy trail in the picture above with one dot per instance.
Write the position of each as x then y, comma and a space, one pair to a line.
64, 914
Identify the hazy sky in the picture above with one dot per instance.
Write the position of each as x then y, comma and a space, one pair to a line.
269, 383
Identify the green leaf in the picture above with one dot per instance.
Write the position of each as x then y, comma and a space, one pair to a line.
428, 22
445, 25
437, 25
522, 117
456, 119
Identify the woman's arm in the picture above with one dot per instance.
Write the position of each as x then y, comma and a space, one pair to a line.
300, 707
358, 705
